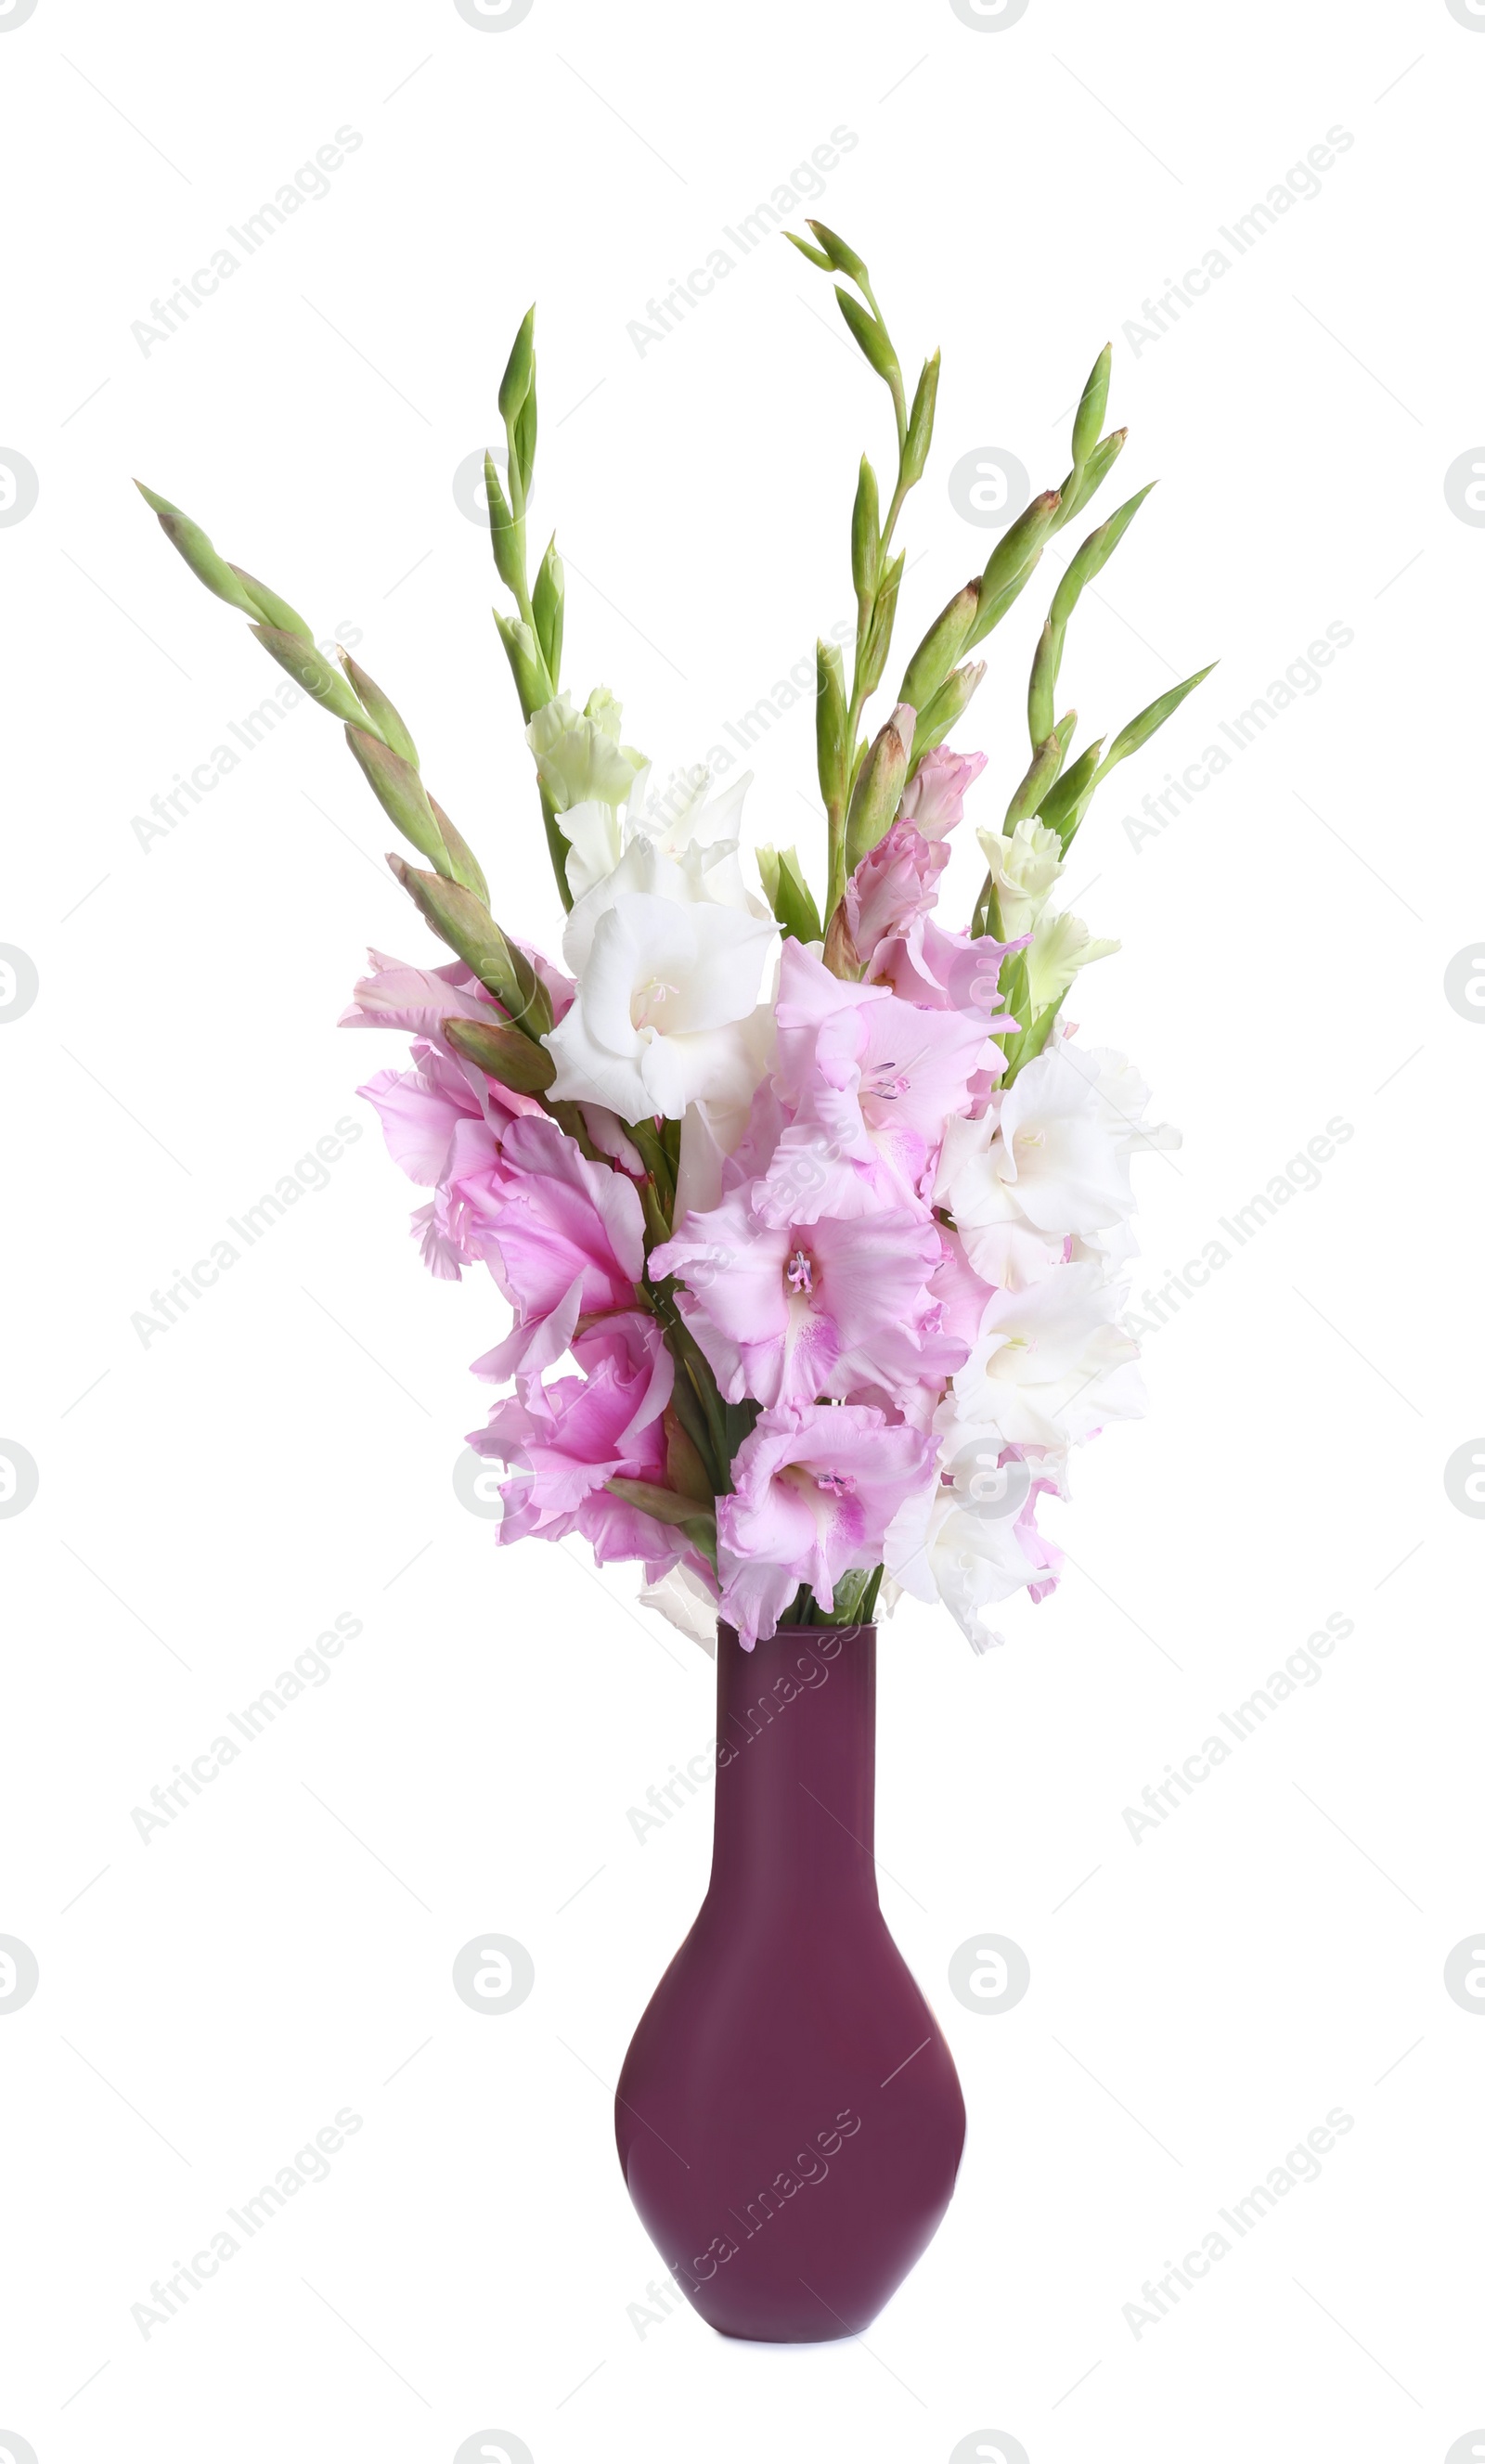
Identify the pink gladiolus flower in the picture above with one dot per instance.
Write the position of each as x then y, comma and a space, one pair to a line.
564, 1238
892, 886
785, 1312
419, 999
440, 1118
815, 1486
935, 799
933, 968
870, 1081
564, 1440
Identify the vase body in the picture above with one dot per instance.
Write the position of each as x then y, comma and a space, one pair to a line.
788, 2117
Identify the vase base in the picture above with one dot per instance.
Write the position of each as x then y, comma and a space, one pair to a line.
799, 2336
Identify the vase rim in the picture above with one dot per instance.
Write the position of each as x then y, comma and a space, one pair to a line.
785, 1634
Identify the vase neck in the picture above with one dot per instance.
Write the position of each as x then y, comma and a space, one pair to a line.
796, 1753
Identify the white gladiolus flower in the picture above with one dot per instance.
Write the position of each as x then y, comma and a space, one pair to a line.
580, 761
958, 1540
1049, 1159
1060, 944
695, 830
1024, 868
667, 992
682, 1597
588, 776
1050, 1365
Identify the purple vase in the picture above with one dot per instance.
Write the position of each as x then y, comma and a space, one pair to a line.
788, 2116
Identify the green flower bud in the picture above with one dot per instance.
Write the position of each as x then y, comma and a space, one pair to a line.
526, 664
461, 864
1089, 417
516, 382
865, 533
946, 708
919, 426
940, 647
1046, 763
400, 794
1064, 803
871, 340
878, 637
816, 255
312, 669
190, 540
382, 713
504, 533
462, 921
1011, 561
833, 752
503, 1052
547, 601
878, 789
841, 258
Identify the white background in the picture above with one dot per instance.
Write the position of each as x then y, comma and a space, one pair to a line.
210, 1500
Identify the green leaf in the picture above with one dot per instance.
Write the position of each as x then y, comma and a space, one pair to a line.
788, 894
1143, 727
663, 1505
1093, 556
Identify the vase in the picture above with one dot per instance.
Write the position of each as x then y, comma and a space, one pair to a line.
788, 2117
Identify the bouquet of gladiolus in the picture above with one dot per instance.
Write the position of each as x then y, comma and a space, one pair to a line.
811, 1215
